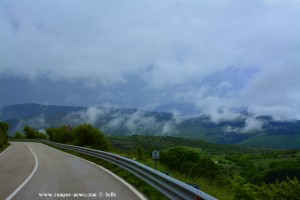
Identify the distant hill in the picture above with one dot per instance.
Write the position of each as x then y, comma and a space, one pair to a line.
19, 111
246, 130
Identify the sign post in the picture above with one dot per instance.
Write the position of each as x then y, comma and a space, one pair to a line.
69, 128
155, 157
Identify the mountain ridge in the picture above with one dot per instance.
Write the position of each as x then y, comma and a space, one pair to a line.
266, 132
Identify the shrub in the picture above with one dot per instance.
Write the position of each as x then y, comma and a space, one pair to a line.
189, 163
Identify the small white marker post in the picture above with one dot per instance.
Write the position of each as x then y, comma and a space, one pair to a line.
155, 157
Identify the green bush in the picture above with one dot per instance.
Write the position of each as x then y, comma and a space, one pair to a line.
189, 163
243, 190
285, 190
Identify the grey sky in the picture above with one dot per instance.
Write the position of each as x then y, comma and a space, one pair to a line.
213, 55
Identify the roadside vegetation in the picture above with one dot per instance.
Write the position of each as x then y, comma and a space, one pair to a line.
3, 135
223, 171
84, 135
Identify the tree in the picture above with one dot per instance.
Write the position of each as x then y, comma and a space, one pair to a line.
87, 135
19, 135
60, 134
31, 133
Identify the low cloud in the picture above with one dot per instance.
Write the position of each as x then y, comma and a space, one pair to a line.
90, 115
111, 119
230, 129
140, 122
39, 122
252, 124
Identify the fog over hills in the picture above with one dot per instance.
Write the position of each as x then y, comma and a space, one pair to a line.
244, 129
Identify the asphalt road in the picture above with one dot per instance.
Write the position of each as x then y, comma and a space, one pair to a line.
35, 171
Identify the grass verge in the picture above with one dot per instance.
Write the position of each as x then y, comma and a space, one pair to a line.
211, 187
4, 148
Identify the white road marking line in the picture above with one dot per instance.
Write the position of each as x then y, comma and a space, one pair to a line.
28, 178
122, 181
135, 191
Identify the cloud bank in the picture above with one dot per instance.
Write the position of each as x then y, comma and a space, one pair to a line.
129, 120
217, 55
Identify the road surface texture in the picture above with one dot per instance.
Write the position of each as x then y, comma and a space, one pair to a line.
36, 171
16, 164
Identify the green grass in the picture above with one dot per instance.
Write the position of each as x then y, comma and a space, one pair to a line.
219, 157
280, 141
265, 162
298, 154
196, 149
215, 189
128, 143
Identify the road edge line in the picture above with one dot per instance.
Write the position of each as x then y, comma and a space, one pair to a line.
5, 150
28, 178
133, 189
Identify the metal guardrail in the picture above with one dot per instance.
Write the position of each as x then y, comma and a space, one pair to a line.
171, 187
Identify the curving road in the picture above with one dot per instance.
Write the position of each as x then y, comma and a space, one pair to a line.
35, 171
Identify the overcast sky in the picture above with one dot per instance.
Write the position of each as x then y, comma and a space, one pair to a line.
195, 56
